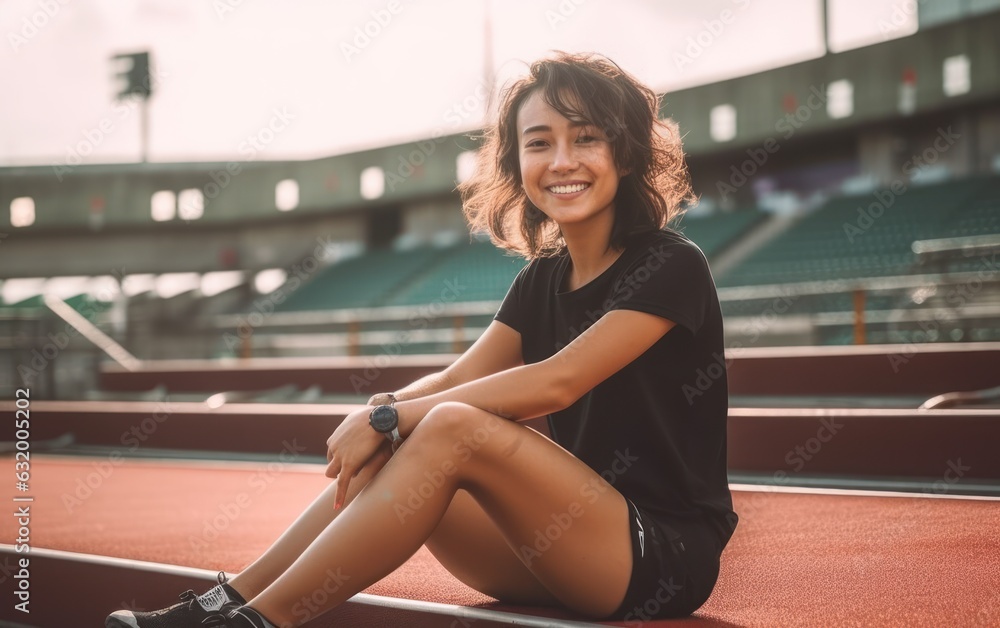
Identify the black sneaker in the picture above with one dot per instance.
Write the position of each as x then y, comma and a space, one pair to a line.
234, 615
190, 611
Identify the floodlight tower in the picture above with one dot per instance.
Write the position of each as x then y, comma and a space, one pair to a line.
137, 83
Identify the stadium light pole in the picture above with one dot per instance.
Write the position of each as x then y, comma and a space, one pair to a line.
824, 16
488, 72
137, 83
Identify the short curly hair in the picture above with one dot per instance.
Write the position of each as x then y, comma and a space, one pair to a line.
593, 88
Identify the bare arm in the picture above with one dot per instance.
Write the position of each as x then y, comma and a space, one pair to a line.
426, 385
532, 390
517, 393
497, 349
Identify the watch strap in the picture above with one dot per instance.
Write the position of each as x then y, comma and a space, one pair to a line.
394, 434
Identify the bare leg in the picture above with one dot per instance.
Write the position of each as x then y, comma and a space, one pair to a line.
522, 480
313, 520
466, 539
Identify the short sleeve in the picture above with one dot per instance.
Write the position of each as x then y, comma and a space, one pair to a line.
511, 312
670, 279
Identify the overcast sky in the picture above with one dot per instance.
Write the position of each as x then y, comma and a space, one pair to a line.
352, 75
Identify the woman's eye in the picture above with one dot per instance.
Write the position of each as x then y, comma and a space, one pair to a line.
586, 138
535, 143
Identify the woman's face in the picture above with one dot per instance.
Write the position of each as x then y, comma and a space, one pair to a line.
567, 167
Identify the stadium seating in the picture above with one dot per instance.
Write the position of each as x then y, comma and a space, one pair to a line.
478, 272
360, 281
871, 235
82, 303
980, 215
714, 232
839, 242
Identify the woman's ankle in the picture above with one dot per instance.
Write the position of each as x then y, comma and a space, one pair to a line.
244, 586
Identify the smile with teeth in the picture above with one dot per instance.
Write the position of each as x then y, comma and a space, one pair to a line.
569, 189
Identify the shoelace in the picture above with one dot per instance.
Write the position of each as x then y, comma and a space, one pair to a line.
189, 596
220, 597
217, 598
220, 619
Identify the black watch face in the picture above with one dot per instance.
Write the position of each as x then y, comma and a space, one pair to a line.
384, 418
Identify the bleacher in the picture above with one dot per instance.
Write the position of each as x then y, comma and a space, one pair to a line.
714, 232
831, 244
869, 235
482, 272
34, 306
476, 272
852, 239
980, 214
360, 281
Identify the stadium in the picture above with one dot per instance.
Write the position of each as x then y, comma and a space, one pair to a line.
192, 332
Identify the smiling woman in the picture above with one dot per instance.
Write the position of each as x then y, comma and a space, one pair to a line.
624, 512
615, 126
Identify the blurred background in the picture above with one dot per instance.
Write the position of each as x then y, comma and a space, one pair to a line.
231, 179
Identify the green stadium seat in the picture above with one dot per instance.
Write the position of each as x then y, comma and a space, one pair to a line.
479, 272
82, 303
714, 232
836, 242
359, 281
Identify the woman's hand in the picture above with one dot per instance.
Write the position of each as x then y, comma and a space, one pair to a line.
381, 399
350, 446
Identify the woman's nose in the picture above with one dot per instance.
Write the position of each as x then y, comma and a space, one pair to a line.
563, 159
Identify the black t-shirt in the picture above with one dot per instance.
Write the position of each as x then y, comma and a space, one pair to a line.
656, 429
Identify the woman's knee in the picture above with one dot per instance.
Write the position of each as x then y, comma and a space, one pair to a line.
444, 420
462, 432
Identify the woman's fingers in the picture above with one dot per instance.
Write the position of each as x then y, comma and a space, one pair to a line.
336, 466
343, 481
342, 472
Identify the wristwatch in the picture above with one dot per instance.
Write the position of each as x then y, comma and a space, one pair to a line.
385, 420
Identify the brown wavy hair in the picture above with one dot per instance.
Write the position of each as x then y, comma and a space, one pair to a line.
593, 88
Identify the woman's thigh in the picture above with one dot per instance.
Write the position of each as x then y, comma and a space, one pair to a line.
469, 545
559, 517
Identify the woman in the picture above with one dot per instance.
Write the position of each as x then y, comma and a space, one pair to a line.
624, 512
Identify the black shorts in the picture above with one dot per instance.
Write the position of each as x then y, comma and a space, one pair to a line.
675, 565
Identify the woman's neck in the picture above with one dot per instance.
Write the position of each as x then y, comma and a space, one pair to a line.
590, 253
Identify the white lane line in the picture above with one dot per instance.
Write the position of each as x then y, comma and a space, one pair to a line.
761, 488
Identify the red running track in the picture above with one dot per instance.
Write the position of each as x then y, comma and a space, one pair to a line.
798, 558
